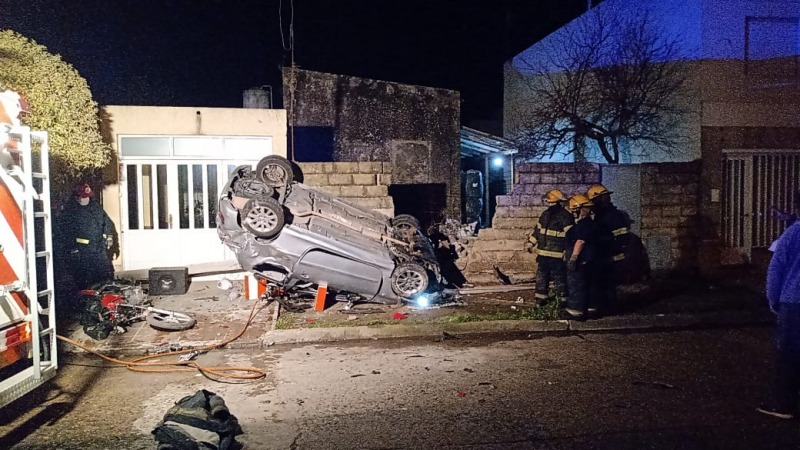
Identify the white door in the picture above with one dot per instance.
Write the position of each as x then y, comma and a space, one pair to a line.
169, 212
755, 182
737, 206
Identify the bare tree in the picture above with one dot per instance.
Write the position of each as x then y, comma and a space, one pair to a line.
611, 81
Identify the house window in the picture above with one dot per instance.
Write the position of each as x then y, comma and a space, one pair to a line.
772, 46
193, 146
145, 146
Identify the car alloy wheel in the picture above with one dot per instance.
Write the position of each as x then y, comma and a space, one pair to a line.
263, 217
409, 279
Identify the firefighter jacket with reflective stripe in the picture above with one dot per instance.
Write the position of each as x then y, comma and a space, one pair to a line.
618, 223
550, 232
86, 227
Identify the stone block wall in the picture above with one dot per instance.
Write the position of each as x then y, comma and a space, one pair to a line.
671, 227
499, 252
363, 183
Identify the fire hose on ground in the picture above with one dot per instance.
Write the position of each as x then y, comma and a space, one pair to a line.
143, 363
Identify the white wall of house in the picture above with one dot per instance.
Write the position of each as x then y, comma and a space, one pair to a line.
744, 57
169, 165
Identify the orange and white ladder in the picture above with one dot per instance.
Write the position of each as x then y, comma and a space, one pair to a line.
27, 306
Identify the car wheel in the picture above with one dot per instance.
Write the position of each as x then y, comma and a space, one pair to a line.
409, 279
404, 225
275, 171
263, 217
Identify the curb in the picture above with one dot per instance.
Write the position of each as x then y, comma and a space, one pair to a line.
308, 335
631, 323
676, 321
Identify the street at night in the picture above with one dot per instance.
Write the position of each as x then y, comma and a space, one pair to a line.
680, 389
321, 224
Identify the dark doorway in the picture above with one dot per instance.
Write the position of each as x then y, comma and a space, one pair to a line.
312, 144
494, 180
426, 202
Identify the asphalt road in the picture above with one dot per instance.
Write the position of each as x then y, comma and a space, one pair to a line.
682, 389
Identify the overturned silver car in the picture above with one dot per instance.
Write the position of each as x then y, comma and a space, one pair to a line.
294, 236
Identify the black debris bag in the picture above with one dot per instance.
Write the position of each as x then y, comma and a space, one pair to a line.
198, 422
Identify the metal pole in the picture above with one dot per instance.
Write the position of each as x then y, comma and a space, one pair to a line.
486, 190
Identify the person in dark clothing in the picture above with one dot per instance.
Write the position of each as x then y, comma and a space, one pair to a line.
789, 217
89, 236
783, 293
549, 238
614, 240
446, 256
581, 254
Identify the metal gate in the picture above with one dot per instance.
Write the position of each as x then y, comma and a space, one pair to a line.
755, 182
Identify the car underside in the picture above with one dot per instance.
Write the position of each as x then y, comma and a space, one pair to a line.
293, 236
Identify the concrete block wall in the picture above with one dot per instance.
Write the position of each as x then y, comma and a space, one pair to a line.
671, 225
499, 251
363, 183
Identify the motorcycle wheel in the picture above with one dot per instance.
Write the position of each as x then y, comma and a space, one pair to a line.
170, 320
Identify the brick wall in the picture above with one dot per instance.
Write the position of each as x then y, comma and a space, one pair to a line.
500, 251
363, 183
672, 227
671, 224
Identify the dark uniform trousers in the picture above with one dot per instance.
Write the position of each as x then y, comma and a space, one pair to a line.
787, 362
586, 289
550, 269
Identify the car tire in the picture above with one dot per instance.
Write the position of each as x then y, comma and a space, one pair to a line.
409, 279
263, 217
170, 321
404, 225
275, 171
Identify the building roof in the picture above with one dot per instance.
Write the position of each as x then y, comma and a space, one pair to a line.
478, 143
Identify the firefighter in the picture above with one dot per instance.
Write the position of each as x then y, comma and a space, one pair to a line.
614, 234
90, 239
581, 255
548, 237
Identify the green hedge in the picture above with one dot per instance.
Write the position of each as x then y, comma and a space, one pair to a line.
61, 104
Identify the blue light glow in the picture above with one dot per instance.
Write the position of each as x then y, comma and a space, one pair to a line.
498, 161
701, 30
423, 301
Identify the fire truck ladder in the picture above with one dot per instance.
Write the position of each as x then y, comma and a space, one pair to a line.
34, 189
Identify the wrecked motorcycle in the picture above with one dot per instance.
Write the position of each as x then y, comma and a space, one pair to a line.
113, 307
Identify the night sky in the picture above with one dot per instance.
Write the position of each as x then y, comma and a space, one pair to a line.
206, 52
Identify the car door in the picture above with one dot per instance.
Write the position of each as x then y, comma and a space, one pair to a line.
340, 273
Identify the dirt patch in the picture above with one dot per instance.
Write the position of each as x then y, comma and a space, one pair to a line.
516, 305
674, 293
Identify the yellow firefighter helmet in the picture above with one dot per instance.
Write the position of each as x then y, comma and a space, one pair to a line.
597, 190
578, 201
553, 196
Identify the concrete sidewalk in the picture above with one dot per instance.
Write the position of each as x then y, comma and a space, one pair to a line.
489, 309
